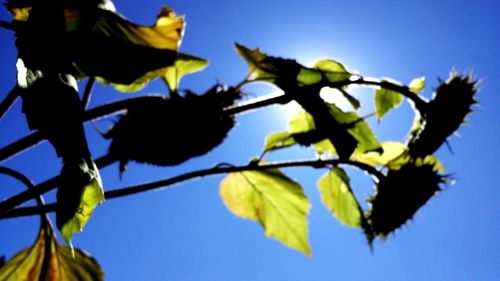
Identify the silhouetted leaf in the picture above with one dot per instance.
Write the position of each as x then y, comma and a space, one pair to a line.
400, 194
46, 259
272, 199
338, 197
444, 114
128, 55
80, 191
417, 85
385, 100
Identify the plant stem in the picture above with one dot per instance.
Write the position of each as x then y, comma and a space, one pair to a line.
115, 107
116, 193
48, 185
8, 101
7, 25
87, 93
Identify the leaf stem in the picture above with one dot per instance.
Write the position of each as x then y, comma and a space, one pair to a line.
219, 169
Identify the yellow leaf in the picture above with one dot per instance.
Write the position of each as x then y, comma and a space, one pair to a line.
275, 201
47, 259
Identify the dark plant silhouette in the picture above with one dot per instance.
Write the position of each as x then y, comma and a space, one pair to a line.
62, 41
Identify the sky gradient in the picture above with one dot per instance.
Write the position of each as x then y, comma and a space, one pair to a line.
186, 233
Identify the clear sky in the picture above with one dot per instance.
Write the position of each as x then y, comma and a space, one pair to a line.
186, 233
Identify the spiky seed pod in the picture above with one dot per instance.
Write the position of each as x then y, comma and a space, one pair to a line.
447, 110
171, 131
400, 194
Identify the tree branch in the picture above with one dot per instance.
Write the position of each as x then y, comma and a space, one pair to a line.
116, 193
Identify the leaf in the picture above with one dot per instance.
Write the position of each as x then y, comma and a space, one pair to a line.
185, 64
385, 100
324, 147
275, 201
258, 68
417, 85
301, 122
128, 55
391, 151
278, 140
46, 259
357, 127
338, 197
79, 192
333, 70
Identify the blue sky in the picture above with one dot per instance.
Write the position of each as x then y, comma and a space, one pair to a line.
186, 233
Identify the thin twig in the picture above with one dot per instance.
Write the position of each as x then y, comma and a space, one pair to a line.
87, 93
116, 193
30, 185
116, 107
44, 187
8, 101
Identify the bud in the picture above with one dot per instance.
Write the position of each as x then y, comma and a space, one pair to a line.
447, 110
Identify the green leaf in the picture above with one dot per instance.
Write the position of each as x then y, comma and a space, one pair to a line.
385, 100
308, 76
80, 191
258, 67
333, 70
301, 122
391, 151
417, 85
338, 197
278, 140
357, 127
60, 263
275, 201
324, 147
185, 64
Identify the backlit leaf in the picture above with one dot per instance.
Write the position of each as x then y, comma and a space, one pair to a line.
338, 197
275, 201
258, 67
417, 85
301, 122
357, 127
46, 259
391, 151
385, 100
333, 70
278, 140
185, 64
79, 192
